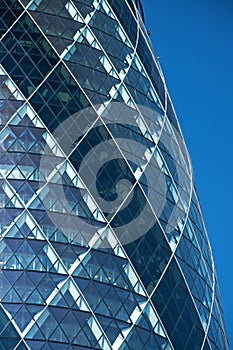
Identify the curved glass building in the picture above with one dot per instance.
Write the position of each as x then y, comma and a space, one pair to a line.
102, 239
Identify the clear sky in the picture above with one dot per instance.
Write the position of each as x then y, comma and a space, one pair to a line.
194, 43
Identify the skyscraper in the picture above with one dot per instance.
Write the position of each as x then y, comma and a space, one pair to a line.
103, 244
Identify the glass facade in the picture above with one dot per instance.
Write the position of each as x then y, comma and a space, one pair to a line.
102, 239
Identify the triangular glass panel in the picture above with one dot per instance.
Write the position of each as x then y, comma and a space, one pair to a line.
36, 245
22, 317
16, 147
17, 174
4, 285
36, 298
38, 147
37, 264
35, 333
102, 309
59, 335
37, 204
25, 230
12, 295
27, 139
144, 322
82, 339
58, 313
47, 318
59, 301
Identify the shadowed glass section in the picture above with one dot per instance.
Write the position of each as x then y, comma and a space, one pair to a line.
30, 57
58, 98
125, 18
10, 10
8, 334
176, 308
150, 255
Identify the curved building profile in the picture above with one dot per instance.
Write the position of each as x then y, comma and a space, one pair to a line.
102, 239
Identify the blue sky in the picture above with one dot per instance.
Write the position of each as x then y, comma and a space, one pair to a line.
194, 43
